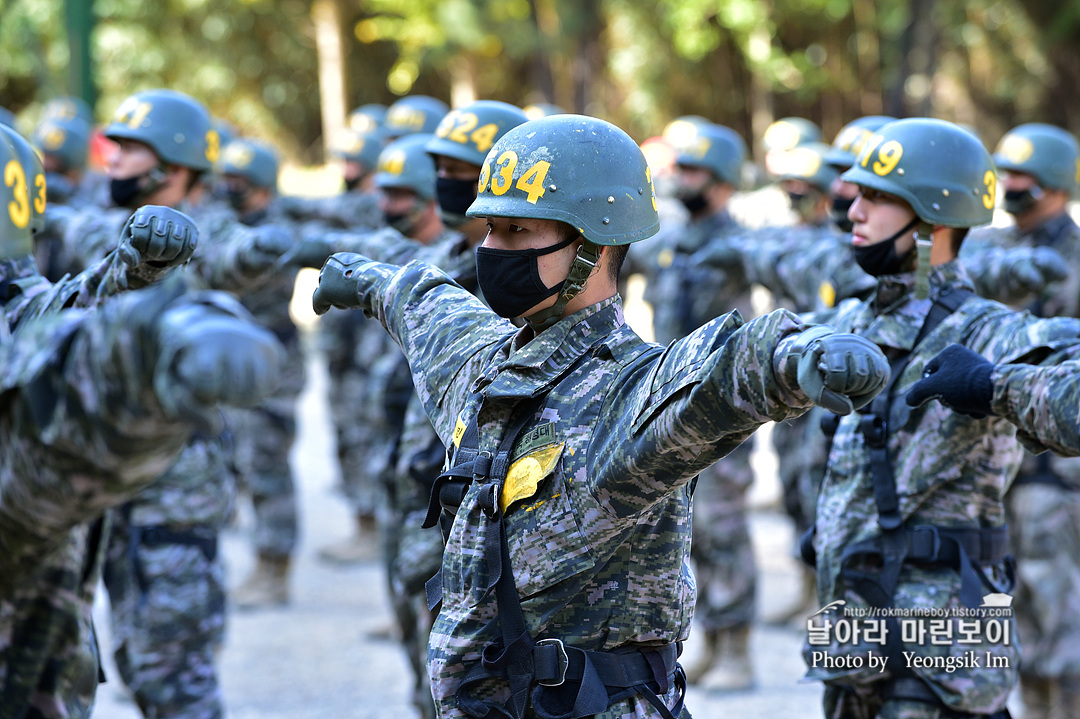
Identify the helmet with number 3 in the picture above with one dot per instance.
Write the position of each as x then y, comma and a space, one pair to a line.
940, 169
716, 148
15, 210
406, 164
1047, 153
574, 169
467, 133
177, 127
34, 175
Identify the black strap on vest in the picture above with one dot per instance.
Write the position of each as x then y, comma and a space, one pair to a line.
558, 681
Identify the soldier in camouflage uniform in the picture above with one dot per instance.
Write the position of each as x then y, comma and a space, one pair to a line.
684, 295
146, 370
165, 579
911, 510
1038, 166
413, 554
264, 436
597, 434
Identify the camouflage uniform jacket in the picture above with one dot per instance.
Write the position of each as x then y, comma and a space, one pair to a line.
807, 268
684, 294
348, 210
58, 472
950, 470
1042, 402
603, 541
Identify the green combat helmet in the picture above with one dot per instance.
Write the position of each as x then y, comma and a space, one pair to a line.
7, 117
940, 169
412, 114
255, 162
715, 148
406, 164
68, 140
574, 169
175, 126
790, 132
15, 238
68, 108
467, 133
368, 119
355, 146
1047, 153
681, 131
852, 137
809, 163
31, 173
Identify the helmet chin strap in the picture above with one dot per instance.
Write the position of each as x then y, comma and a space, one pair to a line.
924, 243
587, 257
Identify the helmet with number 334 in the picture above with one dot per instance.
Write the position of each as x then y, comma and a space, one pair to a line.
940, 169
574, 169
175, 126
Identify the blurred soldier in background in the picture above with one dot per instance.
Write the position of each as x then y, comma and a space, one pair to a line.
1038, 168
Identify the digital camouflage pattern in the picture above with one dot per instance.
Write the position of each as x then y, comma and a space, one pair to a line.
602, 547
1044, 503
951, 470
356, 211
59, 473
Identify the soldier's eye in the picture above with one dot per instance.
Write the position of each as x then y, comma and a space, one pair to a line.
516, 228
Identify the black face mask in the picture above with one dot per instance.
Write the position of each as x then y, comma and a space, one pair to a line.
510, 279
127, 192
236, 198
352, 184
455, 196
1018, 202
880, 258
403, 222
840, 206
693, 203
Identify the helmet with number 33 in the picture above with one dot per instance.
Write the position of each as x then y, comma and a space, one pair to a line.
574, 169
940, 169
34, 175
15, 240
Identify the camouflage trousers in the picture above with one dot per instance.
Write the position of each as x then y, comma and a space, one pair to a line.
167, 609
1044, 523
356, 441
721, 550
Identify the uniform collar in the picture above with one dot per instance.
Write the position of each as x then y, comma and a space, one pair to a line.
892, 290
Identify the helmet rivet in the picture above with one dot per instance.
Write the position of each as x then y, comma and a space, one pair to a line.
900, 171
936, 206
611, 200
945, 192
552, 188
607, 220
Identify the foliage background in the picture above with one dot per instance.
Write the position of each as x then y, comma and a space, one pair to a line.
990, 64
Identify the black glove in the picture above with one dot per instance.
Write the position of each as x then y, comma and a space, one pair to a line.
211, 353
842, 372
338, 283
268, 244
311, 251
960, 379
158, 234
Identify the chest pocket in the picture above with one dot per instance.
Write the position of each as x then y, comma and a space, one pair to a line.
525, 474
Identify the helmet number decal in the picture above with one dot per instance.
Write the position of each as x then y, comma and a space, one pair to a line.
888, 157
460, 127
990, 196
19, 207
39, 199
500, 183
532, 181
132, 113
213, 146
393, 163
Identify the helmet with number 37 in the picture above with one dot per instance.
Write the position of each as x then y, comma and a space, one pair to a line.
574, 169
940, 169
15, 240
467, 133
175, 126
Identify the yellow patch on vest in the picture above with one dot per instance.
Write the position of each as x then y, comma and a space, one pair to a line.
459, 432
525, 474
827, 294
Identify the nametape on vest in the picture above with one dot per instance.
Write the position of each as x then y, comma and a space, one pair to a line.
525, 474
539, 436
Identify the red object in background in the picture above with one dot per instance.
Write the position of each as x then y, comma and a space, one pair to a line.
101, 148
